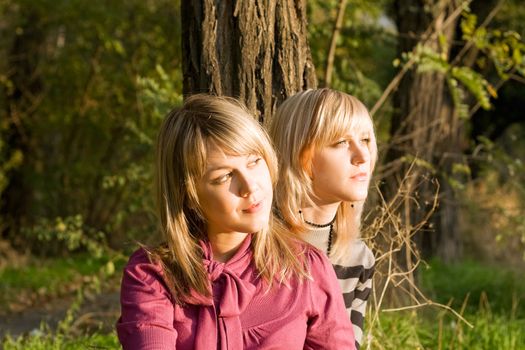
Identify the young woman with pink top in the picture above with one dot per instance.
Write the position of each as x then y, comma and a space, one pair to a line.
229, 276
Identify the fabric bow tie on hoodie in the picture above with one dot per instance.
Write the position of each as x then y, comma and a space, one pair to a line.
219, 317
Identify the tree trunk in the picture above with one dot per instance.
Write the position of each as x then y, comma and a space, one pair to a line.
425, 126
254, 50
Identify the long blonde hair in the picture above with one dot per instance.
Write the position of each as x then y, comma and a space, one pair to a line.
181, 162
303, 123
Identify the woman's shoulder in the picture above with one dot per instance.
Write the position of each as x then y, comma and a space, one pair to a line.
358, 254
143, 269
362, 253
316, 260
141, 257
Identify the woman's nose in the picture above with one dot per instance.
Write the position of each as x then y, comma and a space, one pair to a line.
248, 186
359, 154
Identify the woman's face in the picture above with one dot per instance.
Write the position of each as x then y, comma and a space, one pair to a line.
235, 193
341, 170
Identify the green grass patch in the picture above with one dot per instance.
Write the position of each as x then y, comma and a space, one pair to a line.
66, 335
49, 341
490, 331
399, 330
499, 289
491, 298
415, 330
48, 278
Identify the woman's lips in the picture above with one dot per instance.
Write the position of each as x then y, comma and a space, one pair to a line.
360, 177
254, 208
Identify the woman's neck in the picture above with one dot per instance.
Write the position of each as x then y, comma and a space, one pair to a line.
225, 245
320, 214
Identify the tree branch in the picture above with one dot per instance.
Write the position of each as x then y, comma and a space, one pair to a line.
427, 36
333, 43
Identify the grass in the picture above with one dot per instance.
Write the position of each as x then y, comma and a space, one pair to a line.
490, 331
38, 281
486, 286
48, 273
53, 342
491, 298
44, 279
411, 330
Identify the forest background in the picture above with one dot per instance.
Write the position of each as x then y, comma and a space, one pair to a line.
84, 86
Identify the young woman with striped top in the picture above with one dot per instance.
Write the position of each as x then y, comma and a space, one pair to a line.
327, 151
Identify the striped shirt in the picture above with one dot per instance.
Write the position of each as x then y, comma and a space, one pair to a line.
354, 273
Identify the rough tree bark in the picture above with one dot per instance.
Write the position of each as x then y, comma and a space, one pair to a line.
254, 50
425, 126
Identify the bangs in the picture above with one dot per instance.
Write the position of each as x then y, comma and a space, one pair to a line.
234, 136
335, 121
238, 145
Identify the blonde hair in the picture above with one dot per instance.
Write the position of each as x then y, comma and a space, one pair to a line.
181, 162
304, 122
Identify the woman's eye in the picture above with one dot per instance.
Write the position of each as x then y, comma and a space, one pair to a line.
223, 179
254, 162
341, 143
365, 140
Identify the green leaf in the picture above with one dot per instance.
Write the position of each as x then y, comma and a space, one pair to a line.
475, 83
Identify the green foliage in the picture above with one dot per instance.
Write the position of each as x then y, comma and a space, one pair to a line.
458, 98
65, 234
92, 130
474, 83
504, 48
159, 92
8, 162
366, 41
511, 16
429, 60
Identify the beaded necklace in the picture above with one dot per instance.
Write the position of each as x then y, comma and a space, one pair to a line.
330, 233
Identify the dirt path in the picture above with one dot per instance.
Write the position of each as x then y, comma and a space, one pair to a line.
98, 311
